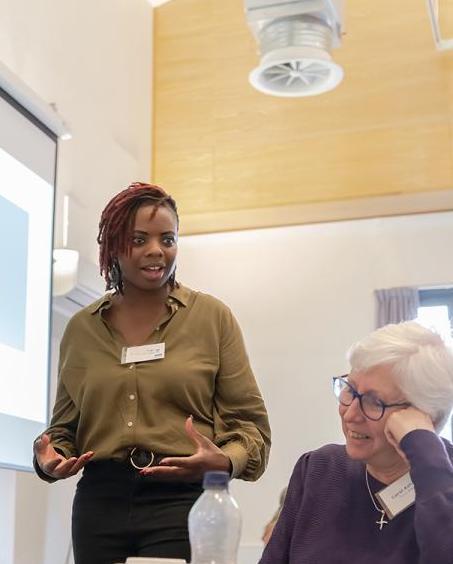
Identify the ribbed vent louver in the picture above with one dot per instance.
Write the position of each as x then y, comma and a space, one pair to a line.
295, 40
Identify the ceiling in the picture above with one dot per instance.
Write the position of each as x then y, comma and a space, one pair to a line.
380, 144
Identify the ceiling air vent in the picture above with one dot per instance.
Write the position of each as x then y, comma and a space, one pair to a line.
295, 39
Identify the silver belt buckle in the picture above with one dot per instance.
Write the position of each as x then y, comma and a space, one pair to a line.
137, 464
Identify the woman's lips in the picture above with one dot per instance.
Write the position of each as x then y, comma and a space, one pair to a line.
154, 272
358, 436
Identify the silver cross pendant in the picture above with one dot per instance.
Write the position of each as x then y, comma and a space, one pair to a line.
382, 521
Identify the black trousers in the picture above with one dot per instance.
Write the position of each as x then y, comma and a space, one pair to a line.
119, 513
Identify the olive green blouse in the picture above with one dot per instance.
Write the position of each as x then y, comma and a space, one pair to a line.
109, 407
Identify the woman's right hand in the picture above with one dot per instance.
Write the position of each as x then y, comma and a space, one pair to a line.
55, 464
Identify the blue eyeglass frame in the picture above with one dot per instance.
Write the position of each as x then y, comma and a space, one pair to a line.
356, 394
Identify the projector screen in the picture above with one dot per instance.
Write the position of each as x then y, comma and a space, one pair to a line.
27, 187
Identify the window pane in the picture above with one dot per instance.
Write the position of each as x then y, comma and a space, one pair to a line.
436, 318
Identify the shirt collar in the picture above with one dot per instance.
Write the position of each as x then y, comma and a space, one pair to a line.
178, 293
102, 303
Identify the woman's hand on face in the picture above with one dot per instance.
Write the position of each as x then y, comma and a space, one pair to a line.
403, 421
207, 457
53, 463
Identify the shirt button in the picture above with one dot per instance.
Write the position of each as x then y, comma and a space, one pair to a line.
132, 396
129, 424
131, 366
157, 328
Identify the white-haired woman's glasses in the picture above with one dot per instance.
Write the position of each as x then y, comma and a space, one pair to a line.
371, 406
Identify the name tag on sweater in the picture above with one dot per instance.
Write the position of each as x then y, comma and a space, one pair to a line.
396, 497
155, 351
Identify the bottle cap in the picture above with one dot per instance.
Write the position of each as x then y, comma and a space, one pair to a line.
216, 479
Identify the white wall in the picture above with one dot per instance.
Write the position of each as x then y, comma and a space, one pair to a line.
93, 60
303, 295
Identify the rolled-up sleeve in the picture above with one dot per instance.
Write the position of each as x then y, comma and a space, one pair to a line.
241, 425
63, 425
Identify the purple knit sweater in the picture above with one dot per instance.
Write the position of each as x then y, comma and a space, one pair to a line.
328, 516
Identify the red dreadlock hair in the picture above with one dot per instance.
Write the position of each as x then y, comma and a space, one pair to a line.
116, 225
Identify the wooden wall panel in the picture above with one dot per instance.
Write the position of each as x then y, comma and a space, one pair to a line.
221, 148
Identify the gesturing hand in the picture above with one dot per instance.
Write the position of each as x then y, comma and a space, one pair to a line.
207, 457
54, 464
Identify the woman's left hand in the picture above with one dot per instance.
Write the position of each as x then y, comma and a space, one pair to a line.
207, 457
403, 421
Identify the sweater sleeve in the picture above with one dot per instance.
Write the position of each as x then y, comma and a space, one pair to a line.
278, 548
241, 425
432, 475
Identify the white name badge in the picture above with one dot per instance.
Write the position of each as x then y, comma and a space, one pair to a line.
155, 351
397, 496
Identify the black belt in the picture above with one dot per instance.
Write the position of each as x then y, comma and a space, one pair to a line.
134, 459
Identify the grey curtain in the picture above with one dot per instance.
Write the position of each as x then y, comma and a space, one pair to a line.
394, 305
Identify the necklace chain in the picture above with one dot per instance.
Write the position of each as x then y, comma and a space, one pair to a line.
381, 521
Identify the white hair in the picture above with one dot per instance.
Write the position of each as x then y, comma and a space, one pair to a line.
420, 362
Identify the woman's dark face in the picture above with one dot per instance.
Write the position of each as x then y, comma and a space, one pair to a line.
153, 249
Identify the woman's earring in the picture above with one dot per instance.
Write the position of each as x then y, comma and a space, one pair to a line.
115, 278
172, 279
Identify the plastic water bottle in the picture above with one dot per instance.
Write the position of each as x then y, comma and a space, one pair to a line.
215, 523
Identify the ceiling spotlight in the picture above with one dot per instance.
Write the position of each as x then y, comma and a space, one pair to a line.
156, 3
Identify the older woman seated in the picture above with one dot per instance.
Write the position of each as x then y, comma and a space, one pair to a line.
387, 495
